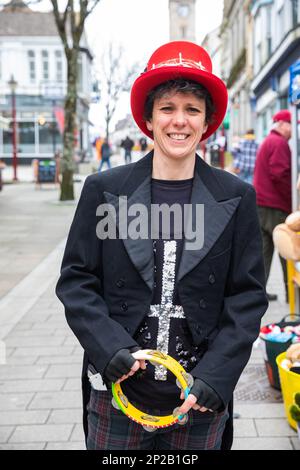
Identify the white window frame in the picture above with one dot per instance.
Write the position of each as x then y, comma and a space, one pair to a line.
32, 65
59, 65
45, 65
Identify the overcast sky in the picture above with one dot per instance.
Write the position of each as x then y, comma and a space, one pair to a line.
140, 26
143, 25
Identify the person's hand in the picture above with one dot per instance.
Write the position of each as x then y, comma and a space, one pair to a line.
202, 397
121, 366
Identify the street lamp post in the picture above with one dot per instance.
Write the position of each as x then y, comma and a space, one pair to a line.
13, 85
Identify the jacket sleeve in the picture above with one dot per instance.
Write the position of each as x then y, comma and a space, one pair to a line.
245, 302
280, 168
80, 285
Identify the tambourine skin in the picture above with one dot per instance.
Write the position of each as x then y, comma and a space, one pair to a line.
140, 417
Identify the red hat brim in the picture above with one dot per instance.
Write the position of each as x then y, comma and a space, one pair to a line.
152, 78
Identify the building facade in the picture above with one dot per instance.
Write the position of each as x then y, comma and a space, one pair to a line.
182, 20
212, 44
236, 65
32, 53
260, 40
276, 46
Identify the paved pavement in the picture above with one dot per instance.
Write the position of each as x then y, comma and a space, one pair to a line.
40, 400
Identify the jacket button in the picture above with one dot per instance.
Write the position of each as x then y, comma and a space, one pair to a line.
198, 329
127, 329
211, 279
124, 306
202, 303
120, 283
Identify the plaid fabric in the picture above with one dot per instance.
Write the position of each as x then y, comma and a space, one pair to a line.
110, 429
245, 156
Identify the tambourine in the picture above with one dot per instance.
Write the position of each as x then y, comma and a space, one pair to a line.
150, 422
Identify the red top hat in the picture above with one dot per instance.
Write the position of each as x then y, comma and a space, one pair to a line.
179, 59
282, 115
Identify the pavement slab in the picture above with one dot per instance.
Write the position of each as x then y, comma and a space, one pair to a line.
31, 385
71, 416
259, 443
42, 433
53, 400
5, 433
24, 417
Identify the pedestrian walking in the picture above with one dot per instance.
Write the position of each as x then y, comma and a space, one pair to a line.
98, 142
143, 146
244, 156
200, 300
272, 181
127, 145
105, 155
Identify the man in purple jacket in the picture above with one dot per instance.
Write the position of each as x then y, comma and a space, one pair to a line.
272, 182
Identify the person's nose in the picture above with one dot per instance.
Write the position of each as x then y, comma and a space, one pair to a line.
179, 118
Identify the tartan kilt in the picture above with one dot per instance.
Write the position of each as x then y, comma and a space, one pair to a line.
110, 429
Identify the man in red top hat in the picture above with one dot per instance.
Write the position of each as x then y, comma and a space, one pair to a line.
272, 181
192, 286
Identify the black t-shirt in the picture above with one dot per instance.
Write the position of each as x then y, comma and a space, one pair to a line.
165, 327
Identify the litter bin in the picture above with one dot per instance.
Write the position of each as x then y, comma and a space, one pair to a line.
290, 384
46, 172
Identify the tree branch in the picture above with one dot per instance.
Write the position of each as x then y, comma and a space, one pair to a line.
61, 23
73, 23
94, 4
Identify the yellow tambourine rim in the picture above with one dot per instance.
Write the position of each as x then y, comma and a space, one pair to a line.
140, 417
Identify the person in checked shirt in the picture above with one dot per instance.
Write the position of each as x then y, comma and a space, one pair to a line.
245, 156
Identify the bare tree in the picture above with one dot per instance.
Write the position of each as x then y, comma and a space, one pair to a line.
70, 24
116, 79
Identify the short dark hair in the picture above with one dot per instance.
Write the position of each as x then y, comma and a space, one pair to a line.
180, 85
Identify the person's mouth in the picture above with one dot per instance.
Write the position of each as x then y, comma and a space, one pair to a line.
178, 137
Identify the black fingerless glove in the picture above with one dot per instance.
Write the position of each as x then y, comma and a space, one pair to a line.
206, 396
119, 365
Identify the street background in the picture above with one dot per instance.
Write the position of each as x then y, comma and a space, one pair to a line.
255, 50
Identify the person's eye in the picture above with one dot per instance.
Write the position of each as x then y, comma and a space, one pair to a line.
166, 108
193, 110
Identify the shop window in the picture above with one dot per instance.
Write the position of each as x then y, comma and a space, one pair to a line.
49, 138
7, 139
26, 137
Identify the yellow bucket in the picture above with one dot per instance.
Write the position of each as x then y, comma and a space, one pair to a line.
290, 384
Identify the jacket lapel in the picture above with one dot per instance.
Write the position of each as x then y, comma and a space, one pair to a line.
137, 190
213, 222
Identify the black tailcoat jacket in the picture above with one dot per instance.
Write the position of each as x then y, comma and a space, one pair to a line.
106, 285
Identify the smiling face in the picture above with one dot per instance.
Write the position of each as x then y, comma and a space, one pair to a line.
177, 123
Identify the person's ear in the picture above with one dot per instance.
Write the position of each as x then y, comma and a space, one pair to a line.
149, 126
205, 127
